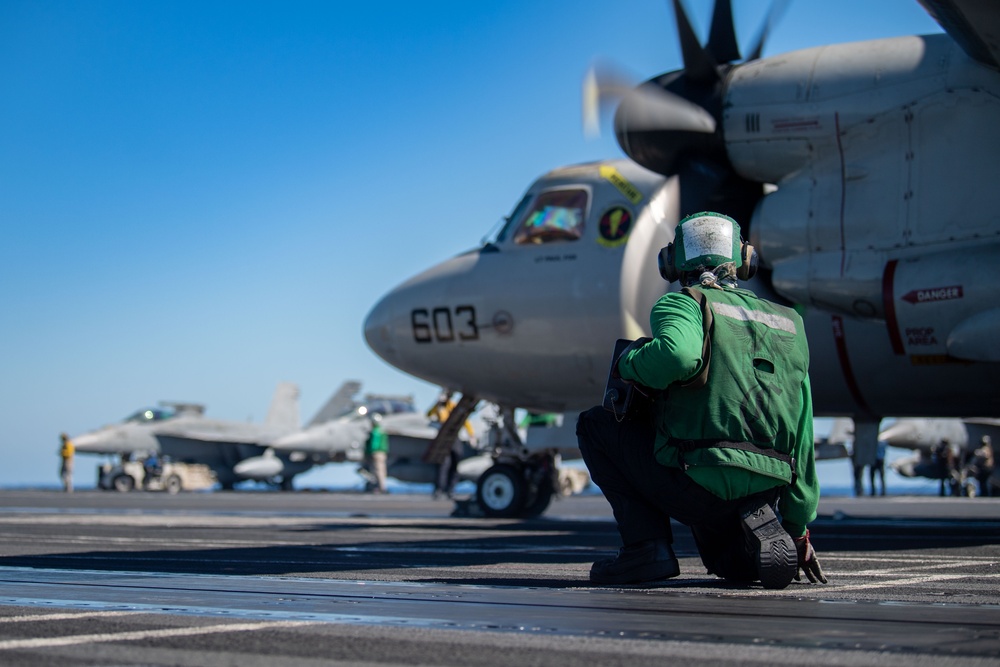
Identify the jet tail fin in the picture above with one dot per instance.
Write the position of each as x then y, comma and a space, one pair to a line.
284, 411
341, 401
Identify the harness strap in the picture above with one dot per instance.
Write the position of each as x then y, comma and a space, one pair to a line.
688, 446
707, 322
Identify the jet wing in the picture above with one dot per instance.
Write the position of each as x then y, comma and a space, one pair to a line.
974, 24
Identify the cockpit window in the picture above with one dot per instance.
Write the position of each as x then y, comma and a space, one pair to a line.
150, 415
556, 215
382, 406
515, 215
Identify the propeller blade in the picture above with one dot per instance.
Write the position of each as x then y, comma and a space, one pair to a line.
699, 67
650, 107
774, 14
591, 105
722, 45
602, 85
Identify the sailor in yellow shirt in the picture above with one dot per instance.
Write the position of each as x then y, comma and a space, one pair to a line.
66, 471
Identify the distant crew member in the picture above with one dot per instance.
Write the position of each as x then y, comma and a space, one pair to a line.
984, 465
727, 443
66, 452
151, 469
447, 475
377, 453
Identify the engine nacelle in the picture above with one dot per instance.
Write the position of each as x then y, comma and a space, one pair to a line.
942, 307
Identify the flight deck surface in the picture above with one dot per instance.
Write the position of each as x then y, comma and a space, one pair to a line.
308, 578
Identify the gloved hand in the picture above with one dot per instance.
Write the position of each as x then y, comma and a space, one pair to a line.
808, 561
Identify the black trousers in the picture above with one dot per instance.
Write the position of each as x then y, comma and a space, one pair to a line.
645, 495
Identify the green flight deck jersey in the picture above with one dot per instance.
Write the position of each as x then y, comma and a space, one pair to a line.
378, 440
748, 427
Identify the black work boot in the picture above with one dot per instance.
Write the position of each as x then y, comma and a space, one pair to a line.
642, 562
773, 548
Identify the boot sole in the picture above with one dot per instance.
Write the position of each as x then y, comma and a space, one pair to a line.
777, 560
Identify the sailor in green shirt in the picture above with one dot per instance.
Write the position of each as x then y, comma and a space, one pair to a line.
726, 446
377, 452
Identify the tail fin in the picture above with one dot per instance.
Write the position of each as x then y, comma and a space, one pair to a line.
284, 411
341, 401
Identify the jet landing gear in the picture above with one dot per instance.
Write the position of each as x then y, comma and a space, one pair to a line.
521, 489
518, 485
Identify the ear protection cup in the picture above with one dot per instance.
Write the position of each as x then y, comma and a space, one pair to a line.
665, 260
749, 259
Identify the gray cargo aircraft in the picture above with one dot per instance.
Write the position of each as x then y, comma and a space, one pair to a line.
863, 173
182, 433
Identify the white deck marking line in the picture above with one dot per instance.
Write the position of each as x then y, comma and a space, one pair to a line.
63, 617
916, 580
911, 558
886, 571
48, 642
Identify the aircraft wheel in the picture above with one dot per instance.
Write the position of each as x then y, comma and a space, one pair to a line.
173, 484
543, 496
500, 491
123, 483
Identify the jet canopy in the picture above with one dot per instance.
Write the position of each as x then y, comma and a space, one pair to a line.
146, 415
380, 405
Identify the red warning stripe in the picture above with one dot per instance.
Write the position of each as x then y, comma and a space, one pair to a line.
845, 364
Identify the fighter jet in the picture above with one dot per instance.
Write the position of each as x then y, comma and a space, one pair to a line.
943, 449
182, 433
834, 445
861, 172
342, 438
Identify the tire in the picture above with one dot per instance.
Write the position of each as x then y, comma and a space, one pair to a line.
123, 483
500, 491
173, 485
535, 506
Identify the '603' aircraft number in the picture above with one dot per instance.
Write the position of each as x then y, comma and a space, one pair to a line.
444, 324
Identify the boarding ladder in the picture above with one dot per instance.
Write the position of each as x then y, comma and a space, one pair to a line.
439, 448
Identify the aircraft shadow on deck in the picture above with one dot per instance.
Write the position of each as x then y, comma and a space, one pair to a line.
535, 542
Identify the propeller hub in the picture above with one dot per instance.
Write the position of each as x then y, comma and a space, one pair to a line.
669, 120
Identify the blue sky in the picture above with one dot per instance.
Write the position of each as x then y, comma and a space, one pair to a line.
202, 199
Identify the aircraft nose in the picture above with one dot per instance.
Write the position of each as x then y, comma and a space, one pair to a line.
379, 328
900, 434
88, 442
422, 310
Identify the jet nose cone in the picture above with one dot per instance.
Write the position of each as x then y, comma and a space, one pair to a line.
88, 442
900, 434
378, 328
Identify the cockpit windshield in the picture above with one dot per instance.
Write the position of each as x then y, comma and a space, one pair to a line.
382, 406
150, 415
514, 217
555, 215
